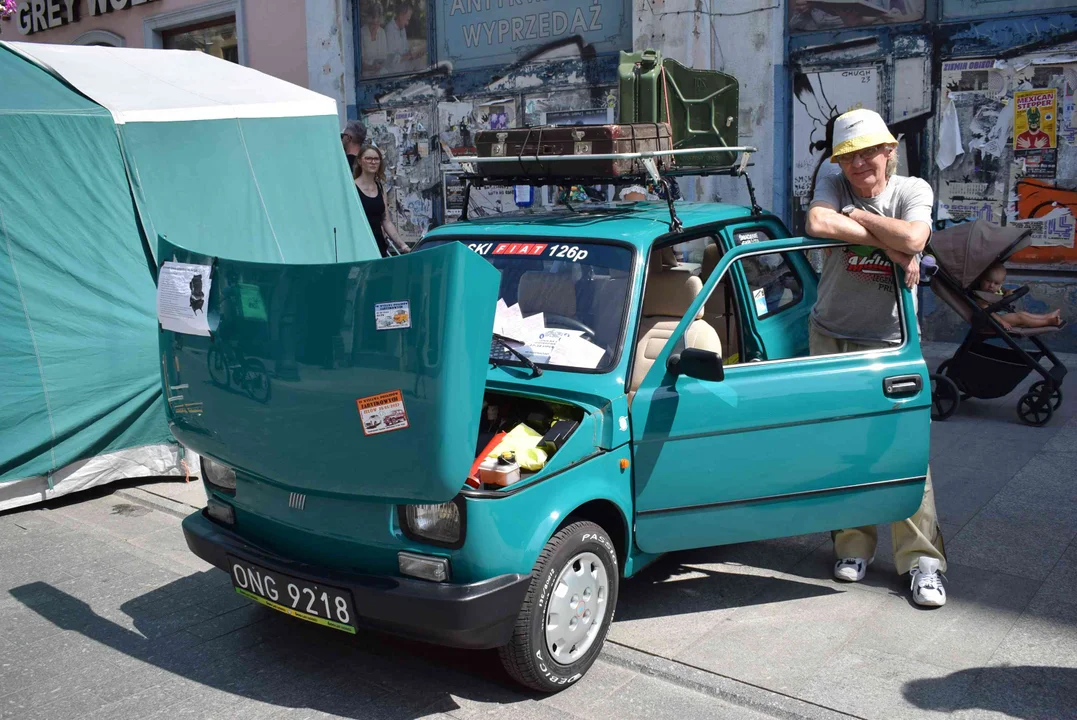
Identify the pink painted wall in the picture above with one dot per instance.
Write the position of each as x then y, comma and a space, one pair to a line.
276, 33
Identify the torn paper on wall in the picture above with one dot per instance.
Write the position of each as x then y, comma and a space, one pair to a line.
949, 137
1056, 228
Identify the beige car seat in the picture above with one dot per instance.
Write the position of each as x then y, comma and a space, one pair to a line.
667, 298
543, 292
717, 312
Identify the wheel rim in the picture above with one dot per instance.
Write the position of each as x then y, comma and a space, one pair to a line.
1056, 394
1035, 409
576, 608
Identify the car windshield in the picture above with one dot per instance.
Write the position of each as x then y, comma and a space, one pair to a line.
561, 304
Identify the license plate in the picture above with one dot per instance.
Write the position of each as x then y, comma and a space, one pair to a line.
321, 604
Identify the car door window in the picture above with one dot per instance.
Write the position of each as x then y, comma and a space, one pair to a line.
772, 282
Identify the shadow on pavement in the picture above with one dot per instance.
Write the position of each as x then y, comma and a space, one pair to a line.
672, 586
1027, 692
277, 660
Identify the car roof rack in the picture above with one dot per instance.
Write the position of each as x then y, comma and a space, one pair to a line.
473, 176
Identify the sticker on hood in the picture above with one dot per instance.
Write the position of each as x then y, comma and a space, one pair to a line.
383, 412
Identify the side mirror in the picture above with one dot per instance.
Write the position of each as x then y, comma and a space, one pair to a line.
699, 364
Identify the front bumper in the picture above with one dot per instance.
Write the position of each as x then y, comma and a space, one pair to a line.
477, 616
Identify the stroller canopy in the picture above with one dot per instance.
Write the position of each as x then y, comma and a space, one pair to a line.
966, 250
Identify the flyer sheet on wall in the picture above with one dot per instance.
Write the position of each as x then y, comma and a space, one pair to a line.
1035, 141
182, 297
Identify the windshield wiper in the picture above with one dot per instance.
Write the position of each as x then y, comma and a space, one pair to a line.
504, 342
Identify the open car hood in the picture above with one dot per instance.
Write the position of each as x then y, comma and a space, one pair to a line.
360, 379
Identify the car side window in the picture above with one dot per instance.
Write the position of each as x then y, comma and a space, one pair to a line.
772, 282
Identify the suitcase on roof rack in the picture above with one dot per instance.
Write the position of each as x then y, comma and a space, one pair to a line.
579, 141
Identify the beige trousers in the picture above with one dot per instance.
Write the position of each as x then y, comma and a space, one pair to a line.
912, 538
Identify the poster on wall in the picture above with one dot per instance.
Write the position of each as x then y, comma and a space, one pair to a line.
496, 114
1035, 141
820, 97
452, 187
456, 128
392, 37
810, 15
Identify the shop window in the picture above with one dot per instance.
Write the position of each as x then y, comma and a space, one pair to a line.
392, 37
216, 37
814, 15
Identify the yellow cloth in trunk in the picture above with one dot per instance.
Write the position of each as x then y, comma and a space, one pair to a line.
523, 441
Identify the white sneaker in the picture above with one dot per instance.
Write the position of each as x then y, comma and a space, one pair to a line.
851, 569
926, 585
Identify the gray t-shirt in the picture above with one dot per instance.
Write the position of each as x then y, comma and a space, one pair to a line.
857, 300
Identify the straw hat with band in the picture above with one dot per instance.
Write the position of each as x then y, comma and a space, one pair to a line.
858, 130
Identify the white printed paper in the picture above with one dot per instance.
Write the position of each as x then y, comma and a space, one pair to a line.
542, 344
392, 315
507, 320
183, 297
576, 352
760, 297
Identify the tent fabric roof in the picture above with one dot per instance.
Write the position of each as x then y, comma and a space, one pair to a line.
147, 85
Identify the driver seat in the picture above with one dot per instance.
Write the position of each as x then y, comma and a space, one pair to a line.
668, 295
544, 292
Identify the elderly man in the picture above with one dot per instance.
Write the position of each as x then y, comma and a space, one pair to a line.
353, 138
881, 215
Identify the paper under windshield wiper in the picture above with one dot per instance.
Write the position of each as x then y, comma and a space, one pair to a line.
504, 342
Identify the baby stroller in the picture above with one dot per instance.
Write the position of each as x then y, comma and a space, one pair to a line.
979, 368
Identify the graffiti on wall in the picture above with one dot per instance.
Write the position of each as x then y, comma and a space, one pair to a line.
818, 99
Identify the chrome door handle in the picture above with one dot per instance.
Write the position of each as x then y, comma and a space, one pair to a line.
902, 385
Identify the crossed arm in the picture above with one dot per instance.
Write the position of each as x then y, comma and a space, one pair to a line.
901, 240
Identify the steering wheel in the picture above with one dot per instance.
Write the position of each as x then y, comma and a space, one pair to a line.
570, 323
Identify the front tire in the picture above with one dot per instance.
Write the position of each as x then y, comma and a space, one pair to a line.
567, 611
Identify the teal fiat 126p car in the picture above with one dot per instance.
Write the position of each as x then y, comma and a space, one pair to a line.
475, 443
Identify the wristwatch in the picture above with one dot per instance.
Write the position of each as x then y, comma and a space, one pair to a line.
848, 210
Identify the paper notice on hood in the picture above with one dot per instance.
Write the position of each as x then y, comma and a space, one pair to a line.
507, 320
182, 297
542, 344
576, 352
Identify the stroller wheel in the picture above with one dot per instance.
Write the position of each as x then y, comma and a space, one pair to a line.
1035, 409
945, 397
1056, 395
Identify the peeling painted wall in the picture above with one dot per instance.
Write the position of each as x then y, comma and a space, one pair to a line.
743, 38
331, 52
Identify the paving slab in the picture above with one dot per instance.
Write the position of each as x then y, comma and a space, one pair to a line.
870, 684
1017, 537
982, 608
777, 645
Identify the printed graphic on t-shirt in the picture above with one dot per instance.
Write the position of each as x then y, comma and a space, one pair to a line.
870, 265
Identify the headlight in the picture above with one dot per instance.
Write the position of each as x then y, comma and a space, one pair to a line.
438, 524
218, 475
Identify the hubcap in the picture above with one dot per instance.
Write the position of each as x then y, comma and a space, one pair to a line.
576, 608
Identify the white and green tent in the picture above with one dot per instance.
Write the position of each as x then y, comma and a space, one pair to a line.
101, 151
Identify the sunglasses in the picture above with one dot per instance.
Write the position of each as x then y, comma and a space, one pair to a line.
867, 155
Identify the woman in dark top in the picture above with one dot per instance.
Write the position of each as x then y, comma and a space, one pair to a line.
369, 174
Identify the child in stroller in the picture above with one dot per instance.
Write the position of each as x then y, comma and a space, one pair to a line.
991, 362
991, 284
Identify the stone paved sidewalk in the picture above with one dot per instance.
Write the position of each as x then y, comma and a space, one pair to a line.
104, 613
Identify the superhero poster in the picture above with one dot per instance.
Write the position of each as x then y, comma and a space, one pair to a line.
1035, 142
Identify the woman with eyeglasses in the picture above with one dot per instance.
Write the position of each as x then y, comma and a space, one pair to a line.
369, 174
